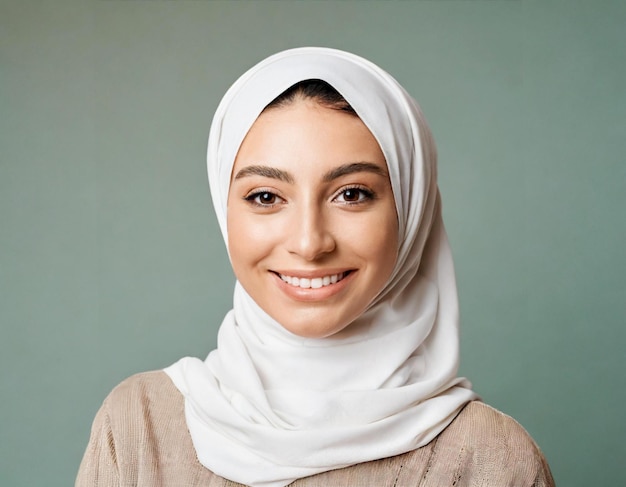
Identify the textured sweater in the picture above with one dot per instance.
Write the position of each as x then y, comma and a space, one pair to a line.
140, 438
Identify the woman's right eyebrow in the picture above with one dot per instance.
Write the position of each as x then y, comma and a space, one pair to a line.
266, 172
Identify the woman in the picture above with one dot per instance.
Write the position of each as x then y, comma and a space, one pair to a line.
338, 362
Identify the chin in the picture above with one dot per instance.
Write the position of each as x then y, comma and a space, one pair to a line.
309, 330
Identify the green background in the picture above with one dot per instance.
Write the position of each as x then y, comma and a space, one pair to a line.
111, 261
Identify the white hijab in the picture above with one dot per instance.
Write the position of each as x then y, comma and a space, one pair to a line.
268, 407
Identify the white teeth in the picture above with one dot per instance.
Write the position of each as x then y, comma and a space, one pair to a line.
315, 283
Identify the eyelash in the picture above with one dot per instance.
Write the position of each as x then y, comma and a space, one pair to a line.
365, 196
252, 197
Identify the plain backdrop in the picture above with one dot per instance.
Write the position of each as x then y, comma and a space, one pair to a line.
111, 261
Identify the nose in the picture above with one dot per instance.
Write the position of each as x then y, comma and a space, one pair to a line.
310, 235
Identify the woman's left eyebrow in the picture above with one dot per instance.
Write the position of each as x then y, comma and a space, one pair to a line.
354, 167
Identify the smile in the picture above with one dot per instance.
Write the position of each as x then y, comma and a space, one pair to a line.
313, 283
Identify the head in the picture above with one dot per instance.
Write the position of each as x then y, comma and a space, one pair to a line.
308, 180
311, 215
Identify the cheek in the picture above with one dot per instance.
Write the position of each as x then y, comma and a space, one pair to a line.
249, 240
238, 244
382, 241
385, 246
377, 231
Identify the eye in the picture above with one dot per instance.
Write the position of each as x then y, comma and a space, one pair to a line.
263, 198
354, 195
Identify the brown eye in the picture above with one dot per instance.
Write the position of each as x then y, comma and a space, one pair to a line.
352, 195
266, 198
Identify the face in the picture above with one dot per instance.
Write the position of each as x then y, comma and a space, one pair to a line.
312, 225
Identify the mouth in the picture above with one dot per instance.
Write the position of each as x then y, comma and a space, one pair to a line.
313, 282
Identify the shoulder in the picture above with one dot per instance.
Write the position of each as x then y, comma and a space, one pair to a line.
488, 441
153, 388
140, 437
481, 447
148, 400
144, 402
481, 425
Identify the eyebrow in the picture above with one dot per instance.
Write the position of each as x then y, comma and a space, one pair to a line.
343, 170
353, 167
266, 172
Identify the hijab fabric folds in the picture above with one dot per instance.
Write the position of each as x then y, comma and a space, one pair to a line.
268, 407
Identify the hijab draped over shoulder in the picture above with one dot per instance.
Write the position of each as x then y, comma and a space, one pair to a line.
268, 407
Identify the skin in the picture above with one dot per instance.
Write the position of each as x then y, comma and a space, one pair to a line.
310, 196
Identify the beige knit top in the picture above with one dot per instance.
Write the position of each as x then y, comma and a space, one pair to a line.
140, 438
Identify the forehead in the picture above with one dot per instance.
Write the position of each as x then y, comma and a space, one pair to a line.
305, 132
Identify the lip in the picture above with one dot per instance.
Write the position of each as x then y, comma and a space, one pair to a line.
311, 274
311, 294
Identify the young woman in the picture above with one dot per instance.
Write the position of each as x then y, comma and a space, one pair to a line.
338, 362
